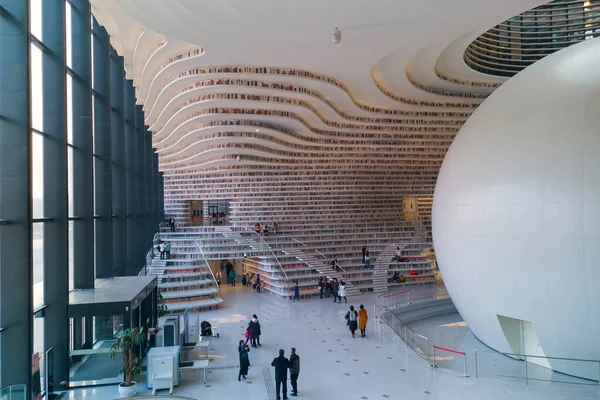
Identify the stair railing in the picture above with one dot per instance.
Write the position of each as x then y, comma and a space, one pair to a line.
262, 241
208, 266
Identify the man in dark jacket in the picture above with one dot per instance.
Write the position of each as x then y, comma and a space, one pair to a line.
281, 365
294, 371
254, 330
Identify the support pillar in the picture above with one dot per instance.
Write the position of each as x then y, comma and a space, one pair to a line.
56, 229
130, 177
117, 127
83, 190
102, 151
15, 196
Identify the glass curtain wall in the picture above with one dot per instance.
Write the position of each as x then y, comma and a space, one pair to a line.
79, 182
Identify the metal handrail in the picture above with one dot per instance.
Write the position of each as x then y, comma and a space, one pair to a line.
296, 240
287, 279
209, 268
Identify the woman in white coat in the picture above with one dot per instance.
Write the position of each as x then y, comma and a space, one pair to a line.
342, 291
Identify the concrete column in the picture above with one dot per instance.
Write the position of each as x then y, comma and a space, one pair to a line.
130, 176
140, 129
117, 128
15, 196
83, 184
102, 150
56, 235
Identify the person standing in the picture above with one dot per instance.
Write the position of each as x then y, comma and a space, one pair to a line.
362, 320
259, 329
168, 249
342, 292
364, 250
367, 261
258, 283
336, 290
296, 292
218, 277
281, 365
351, 320
294, 371
232, 276
162, 250
321, 287
253, 329
243, 349
172, 223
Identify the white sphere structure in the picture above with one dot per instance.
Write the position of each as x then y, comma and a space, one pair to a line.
516, 213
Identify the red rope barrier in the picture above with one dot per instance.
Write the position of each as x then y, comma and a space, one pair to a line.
449, 350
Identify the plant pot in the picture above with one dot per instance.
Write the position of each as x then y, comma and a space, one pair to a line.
127, 391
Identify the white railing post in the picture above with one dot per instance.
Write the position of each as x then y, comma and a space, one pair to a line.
476, 364
526, 372
465, 357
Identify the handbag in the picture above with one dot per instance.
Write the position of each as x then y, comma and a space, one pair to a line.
247, 334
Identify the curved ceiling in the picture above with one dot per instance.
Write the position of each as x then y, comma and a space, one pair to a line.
388, 99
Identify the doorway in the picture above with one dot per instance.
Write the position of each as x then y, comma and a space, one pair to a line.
523, 340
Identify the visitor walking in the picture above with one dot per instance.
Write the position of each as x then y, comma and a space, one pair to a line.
342, 291
172, 223
243, 349
367, 261
259, 329
232, 276
218, 278
281, 365
362, 320
351, 320
296, 292
294, 371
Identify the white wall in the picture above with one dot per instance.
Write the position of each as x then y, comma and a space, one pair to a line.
516, 214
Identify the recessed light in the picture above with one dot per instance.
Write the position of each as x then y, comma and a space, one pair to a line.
258, 130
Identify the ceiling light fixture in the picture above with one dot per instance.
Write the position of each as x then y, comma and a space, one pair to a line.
336, 36
258, 130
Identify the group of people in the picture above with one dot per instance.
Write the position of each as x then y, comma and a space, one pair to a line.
366, 258
164, 248
253, 281
230, 273
265, 230
398, 278
357, 320
332, 288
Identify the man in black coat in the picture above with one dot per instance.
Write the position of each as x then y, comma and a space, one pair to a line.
281, 365
294, 371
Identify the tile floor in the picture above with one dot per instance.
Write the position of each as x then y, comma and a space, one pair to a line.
333, 364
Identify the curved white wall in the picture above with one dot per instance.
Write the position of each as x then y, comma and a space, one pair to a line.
516, 212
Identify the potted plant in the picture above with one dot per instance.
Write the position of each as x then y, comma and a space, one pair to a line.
126, 342
161, 309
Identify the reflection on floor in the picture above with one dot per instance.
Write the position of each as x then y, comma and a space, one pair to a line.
334, 365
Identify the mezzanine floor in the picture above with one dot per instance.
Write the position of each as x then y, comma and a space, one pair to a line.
333, 364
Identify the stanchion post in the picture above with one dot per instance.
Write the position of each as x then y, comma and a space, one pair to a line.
465, 357
476, 364
433, 360
526, 372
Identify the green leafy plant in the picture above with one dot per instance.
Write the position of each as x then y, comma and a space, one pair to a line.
161, 309
126, 342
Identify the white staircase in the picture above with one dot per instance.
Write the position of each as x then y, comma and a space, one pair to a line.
157, 267
380, 270
323, 267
